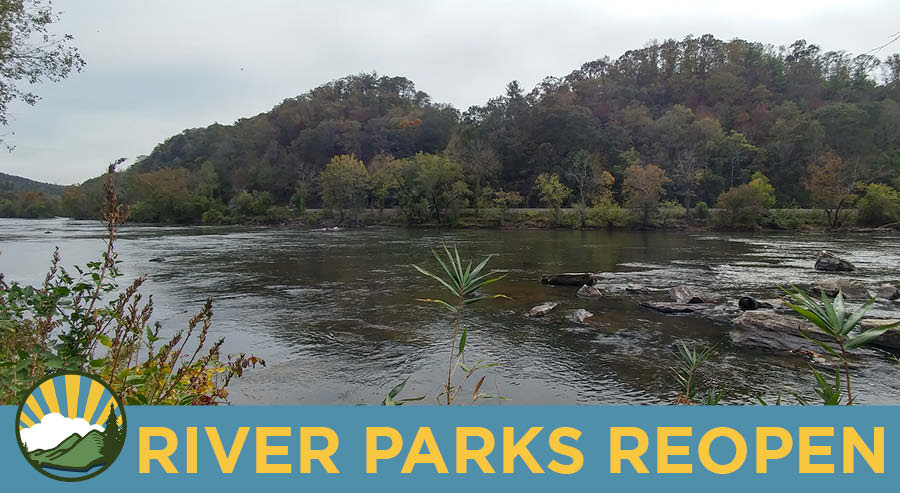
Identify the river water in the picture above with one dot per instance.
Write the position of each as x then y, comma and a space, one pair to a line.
335, 313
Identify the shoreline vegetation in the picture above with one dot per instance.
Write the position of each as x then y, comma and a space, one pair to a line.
85, 321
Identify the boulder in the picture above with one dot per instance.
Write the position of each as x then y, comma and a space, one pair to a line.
637, 289
542, 309
568, 279
669, 307
157, 259
589, 291
851, 288
830, 262
890, 339
747, 303
686, 294
777, 332
888, 292
581, 315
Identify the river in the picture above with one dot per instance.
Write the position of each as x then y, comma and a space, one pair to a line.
335, 313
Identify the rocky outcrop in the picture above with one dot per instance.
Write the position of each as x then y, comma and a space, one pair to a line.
769, 330
851, 288
542, 309
710, 311
568, 279
637, 289
581, 315
589, 291
686, 294
890, 339
669, 307
888, 292
830, 262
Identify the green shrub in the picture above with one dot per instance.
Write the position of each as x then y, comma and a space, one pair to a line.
741, 206
670, 211
701, 211
607, 214
277, 215
879, 206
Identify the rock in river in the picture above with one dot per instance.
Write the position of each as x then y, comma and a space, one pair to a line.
773, 331
828, 261
890, 339
589, 291
542, 309
568, 279
686, 294
852, 289
637, 289
888, 292
747, 303
581, 315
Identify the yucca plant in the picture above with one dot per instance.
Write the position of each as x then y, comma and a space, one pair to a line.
832, 317
465, 283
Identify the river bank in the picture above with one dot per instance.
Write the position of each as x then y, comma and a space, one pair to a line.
614, 219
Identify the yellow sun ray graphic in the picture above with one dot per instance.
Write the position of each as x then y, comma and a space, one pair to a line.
49, 393
32, 404
73, 382
93, 399
25, 419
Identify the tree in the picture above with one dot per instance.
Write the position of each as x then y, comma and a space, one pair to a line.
737, 152
760, 184
585, 171
553, 193
438, 176
643, 187
113, 436
479, 162
30, 53
831, 184
345, 183
879, 206
741, 206
300, 196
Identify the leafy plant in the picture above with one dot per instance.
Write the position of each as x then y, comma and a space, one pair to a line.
81, 322
837, 323
465, 283
688, 361
830, 394
391, 398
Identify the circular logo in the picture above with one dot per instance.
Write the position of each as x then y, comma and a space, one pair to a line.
71, 427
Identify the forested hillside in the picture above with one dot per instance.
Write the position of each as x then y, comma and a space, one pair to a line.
12, 183
708, 113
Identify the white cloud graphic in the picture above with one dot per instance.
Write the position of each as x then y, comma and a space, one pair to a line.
52, 430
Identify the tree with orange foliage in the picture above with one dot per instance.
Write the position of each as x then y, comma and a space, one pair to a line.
832, 183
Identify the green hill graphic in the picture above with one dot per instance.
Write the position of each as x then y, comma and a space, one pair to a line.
75, 453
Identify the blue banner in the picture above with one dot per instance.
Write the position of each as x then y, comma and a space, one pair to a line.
415, 448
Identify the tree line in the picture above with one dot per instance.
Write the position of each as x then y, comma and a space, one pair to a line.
698, 119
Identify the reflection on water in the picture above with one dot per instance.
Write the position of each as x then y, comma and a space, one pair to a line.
334, 313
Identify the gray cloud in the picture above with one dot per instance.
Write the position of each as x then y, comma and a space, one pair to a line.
156, 68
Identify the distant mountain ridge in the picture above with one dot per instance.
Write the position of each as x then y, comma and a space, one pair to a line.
13, 183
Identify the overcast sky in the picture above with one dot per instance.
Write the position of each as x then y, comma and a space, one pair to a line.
157, 67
